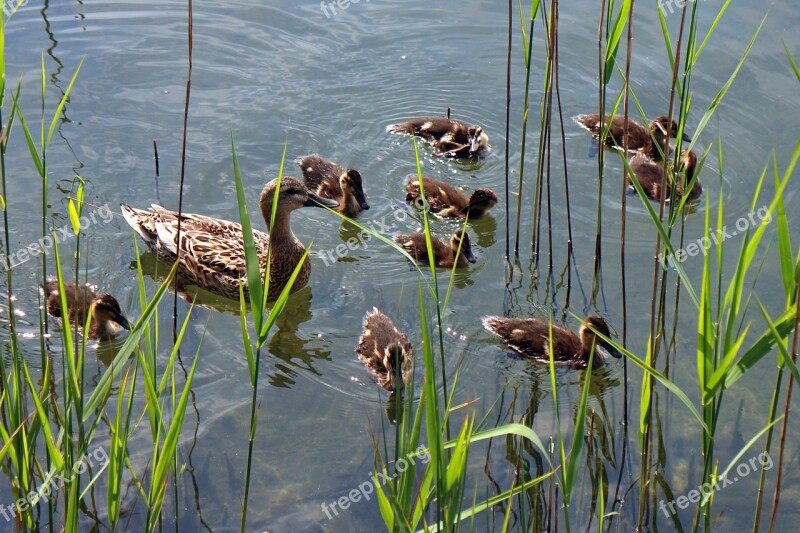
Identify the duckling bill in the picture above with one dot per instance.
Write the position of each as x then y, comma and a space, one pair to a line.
330, 180
385, 351
530, 337
212, 250
107, 318
447, 201
444, 254
449, 137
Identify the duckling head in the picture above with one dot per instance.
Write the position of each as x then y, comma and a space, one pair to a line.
588, 337
481, 201
461, 237
106, 311
292, 195
688, 165
396, 363
478, 141
350, 181
663, 128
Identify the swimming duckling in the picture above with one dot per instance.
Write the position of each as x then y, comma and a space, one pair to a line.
650, 175
212, 250
449, 137
448, 201
107, 317
444, 254
640, 138
530, 337
385, 351
329, 180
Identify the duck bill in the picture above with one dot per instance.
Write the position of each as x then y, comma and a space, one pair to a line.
612, 351
362, 200
317, 201
686, 138
123, 322
469, 255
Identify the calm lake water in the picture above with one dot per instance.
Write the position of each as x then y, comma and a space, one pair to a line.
284, 73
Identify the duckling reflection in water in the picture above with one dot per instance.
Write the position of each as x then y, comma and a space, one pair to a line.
530, 337
106, 315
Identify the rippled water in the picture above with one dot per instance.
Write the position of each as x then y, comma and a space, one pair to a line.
283, 73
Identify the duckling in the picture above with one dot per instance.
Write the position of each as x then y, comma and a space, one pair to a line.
650, 175
385, 351
530, 337
449, 137
444, 254
448, 201
107, 317
640, 138
329, 180
212, 250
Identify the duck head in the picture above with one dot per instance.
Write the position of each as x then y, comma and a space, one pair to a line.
106, 311
292, 195
461, 237
350, 181
396, 362
663, 128
588, 337
478, 141
481, 201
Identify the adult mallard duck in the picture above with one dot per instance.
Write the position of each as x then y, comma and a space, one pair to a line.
449, 137
212, 250
329, 180
447, 201
530, 337
444, 254
650, 175
107, 317
640, 138
385, 351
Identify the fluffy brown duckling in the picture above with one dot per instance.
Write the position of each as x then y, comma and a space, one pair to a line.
332, 181
650, 175
449, 137
107, 317
640, 138
447, 201
530, 337
385, 351
444, 254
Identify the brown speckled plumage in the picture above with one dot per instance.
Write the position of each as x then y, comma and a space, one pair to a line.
107, 317
530, 337
330, 180
449, 137
444, 254
447, 201
212, 250
650, 175
382, 348
639, 136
